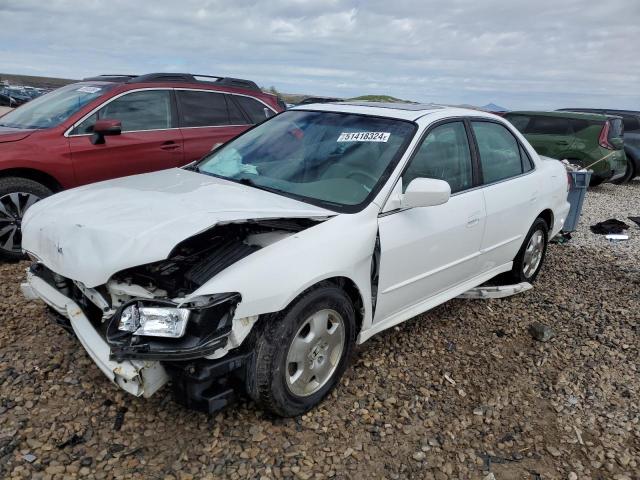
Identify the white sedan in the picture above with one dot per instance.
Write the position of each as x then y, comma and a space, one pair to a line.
261, 266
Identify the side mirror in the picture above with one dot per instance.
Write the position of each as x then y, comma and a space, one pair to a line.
103, 128
426, 192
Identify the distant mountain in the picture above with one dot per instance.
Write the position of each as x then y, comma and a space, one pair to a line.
492, 107
380, 98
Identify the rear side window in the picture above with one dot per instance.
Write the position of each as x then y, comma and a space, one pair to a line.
500, 152
578, 124
548, 126
521, 122
138, 111
202, 109
256, 110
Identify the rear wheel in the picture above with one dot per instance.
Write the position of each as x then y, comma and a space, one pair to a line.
16, 196
529, 260
628, 174
300, 354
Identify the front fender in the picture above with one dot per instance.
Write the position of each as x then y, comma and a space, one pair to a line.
271, 278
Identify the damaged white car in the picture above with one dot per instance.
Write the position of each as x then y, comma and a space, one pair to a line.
260, 267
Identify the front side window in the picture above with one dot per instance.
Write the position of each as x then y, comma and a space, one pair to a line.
499, 151
55, 107
202, 109
444, 155
336, 160
138, 111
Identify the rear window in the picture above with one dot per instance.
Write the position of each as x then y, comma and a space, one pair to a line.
616, 129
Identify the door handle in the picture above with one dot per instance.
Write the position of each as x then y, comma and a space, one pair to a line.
473, 220
169, 145
562, 142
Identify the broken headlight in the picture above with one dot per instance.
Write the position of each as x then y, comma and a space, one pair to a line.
154, 321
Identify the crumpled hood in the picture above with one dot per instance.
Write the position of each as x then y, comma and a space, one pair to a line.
90, 233
8, 134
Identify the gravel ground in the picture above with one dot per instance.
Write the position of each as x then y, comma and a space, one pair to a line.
461, 392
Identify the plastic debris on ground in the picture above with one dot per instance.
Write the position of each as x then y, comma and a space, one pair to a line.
500, 291
616, 237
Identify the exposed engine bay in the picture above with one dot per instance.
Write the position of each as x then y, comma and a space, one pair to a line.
199, 258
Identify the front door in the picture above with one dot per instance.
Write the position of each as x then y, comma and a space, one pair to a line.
148, 142
425, 251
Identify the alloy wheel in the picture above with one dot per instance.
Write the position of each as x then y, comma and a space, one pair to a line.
315, 352
533, 254
12, 209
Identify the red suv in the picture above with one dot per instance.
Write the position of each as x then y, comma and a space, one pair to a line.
112, 126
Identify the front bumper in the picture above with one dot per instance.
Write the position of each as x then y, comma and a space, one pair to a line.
138, 377
198, 383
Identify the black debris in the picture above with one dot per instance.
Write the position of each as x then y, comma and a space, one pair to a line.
635, 219
119, 420
74, 440
609, 226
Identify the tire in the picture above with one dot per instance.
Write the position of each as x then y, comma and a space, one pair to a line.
16, 196
285, 387
628, 174
595, 181
523, 268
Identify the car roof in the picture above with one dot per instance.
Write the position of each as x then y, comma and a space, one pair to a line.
401, 111
562, 114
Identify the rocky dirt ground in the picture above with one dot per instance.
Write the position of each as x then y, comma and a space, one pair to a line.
461, 392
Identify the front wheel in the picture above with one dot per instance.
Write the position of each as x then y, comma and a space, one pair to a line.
530, 257
301, 353
16, 196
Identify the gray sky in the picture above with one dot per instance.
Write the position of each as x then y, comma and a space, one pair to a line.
519, 54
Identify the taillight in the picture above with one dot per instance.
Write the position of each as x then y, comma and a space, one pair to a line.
569, 180
603, 140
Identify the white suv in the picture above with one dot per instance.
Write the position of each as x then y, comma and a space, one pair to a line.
260, 266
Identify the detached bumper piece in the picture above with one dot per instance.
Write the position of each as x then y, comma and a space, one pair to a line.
206, 332
207, 385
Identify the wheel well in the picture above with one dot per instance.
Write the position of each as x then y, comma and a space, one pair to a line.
547, 216
353, 293
35, 175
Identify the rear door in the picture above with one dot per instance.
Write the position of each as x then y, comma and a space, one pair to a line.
511, 192
207, 119
550, 136
149, 140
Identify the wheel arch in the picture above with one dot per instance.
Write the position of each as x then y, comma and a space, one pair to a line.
33, 174
547, 216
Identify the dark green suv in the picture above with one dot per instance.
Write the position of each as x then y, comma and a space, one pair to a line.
587, 139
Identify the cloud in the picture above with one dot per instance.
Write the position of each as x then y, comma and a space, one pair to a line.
543, 54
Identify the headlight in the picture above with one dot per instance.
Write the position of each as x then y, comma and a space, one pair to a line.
154, 321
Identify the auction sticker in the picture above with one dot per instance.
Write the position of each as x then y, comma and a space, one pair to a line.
89, 89
364, 137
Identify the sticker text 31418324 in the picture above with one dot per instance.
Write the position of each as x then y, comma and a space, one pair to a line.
364, 137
